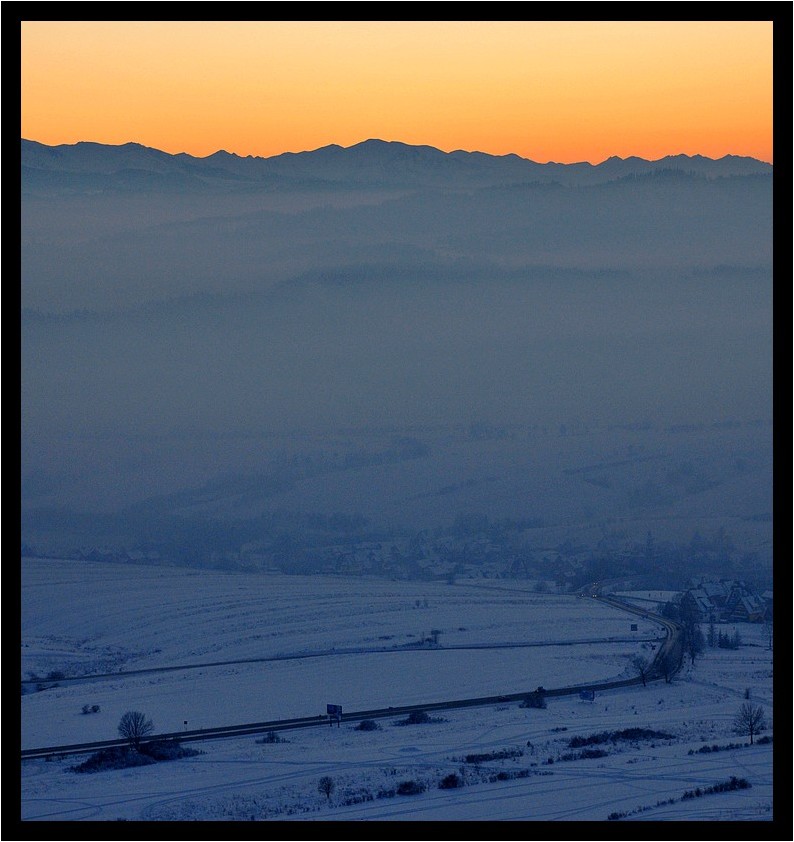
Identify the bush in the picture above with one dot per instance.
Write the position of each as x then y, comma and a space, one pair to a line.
418, 717
725, 786
410, 788
113, 758
451, 781
536, 699
271, 737
505, 754
367, 725
585, 754
591, 753
126, 757
707, 749
163, 750
615, 736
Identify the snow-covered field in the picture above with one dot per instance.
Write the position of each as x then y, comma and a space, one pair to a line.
351, 635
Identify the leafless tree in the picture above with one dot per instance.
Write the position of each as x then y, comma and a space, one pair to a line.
326, 786
668, 663
749, 720
134, 726
641, 666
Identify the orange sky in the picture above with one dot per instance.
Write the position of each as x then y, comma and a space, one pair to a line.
547, 90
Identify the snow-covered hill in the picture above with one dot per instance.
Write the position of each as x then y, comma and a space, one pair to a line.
80, 617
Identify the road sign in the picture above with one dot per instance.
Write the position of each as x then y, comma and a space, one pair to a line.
334, 712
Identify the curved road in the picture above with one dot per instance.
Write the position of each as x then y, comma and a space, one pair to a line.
670, 648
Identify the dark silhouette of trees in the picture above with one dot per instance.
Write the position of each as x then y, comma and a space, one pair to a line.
641, 666
668, 664
694, 642
691, 635
749, 720
729, 641
326, 786
134, 726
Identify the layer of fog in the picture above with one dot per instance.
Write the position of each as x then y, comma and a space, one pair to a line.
159, 326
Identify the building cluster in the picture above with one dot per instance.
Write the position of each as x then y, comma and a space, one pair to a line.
727, 601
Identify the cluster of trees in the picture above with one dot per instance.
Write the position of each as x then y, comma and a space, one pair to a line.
723, 640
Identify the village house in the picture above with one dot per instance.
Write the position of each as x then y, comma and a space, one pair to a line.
743, 606
724, 601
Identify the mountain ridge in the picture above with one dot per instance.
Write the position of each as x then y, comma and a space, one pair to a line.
371, 162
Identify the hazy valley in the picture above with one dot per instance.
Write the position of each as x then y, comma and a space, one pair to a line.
395, 361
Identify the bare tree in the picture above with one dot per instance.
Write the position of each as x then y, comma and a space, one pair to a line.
134, 726
641, 666
326, 786
668, 664
749, 720
694, 642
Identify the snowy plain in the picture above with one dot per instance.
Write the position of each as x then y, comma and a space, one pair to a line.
359, 643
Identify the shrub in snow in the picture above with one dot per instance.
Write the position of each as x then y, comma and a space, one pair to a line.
615, 736
725, 786
367, 725
271, 737
126, 757
410, 788
418, 717
505, 754
113, 758
162, 750
587, 754
536, 699
451, 781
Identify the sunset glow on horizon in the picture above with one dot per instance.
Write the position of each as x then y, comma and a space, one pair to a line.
562, 91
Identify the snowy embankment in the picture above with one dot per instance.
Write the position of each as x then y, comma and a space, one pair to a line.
128, 613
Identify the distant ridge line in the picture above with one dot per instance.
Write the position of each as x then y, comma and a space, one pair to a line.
372, 143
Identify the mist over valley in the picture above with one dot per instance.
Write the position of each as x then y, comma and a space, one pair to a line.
396, 361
